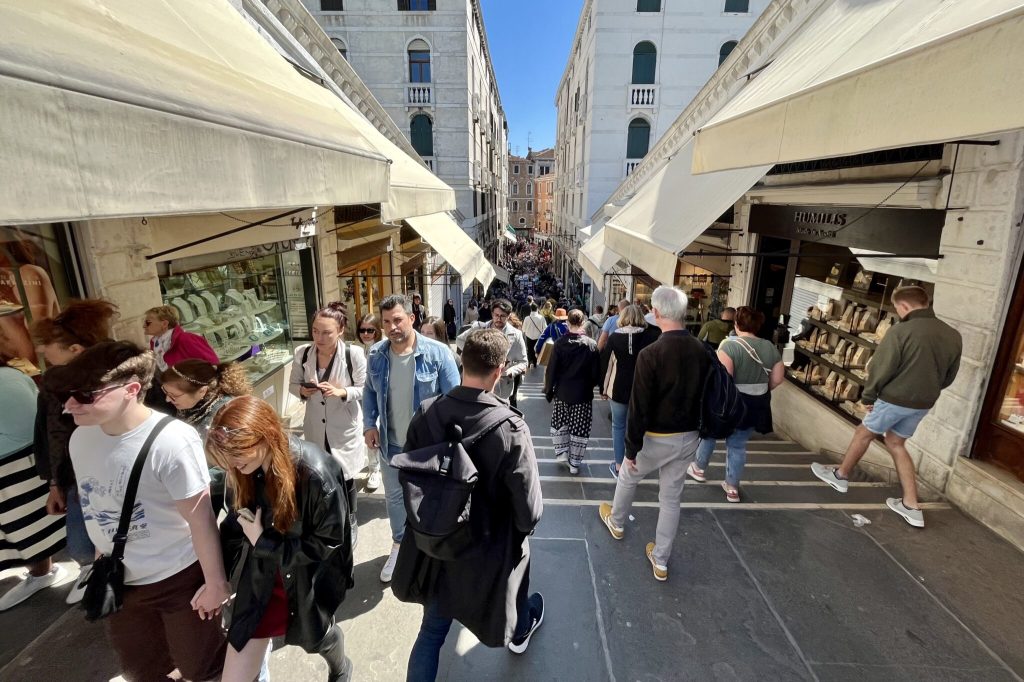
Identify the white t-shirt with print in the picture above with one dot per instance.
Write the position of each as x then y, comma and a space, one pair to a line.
159, 540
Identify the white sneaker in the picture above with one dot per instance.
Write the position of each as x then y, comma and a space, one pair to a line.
562, 457
373, 481
912, 516
827, 473
574, 470
31, 584
78, 589
389, 565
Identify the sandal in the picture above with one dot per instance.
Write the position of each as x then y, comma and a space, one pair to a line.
696, 474
731, 494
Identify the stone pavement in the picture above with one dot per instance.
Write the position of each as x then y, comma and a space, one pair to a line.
782, 586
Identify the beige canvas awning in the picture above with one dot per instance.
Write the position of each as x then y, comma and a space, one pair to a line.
671, 210
863, 76
453, 245
597, 258
115, 108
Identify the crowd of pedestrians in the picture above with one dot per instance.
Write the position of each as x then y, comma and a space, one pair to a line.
168, 441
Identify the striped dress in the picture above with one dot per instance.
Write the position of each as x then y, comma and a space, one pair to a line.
27, 533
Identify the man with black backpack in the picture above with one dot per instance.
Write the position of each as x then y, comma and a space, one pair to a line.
472, 491
662, 427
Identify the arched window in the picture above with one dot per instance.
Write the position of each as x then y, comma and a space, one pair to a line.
645, 58
515, 188
522, 221
340, 44
638, 139
529, 207
419, 62
529, 189
737, 6
648, 5
421, 131
515, 206
725, 51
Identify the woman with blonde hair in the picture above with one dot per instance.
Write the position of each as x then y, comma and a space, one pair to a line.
286, 541
170, 342
369, 333
197, 390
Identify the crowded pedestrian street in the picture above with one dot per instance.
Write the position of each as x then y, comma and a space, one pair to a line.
786, 585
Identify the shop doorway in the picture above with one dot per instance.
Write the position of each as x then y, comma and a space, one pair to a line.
770, 282
1000, 438
361, 287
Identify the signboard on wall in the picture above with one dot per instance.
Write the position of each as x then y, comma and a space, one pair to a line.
889, 230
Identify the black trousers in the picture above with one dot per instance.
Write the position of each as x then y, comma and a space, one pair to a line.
531, 352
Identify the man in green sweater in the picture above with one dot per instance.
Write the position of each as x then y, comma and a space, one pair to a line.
916, 360
715, 331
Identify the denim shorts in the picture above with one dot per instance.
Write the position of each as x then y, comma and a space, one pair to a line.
886, 417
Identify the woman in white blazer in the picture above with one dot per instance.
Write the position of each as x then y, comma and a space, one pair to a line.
328, 375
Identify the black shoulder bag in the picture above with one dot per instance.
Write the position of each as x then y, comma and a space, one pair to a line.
104, 587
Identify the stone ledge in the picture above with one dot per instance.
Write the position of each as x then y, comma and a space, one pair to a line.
990, 495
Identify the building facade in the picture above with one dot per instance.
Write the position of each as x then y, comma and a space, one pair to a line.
525, 175
545, 191
633, 68
427, 63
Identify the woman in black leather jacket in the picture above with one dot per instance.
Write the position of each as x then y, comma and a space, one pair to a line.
291, 564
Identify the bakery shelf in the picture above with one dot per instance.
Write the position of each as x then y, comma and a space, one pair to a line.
861, 341
832, 366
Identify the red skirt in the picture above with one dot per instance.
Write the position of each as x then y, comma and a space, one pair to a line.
275, 619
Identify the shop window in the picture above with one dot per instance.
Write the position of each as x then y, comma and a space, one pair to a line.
422, 134
419, 62
737, 6
417, 5
332, 6
638, 139
342, 50
648, 5
725, 51
645, 59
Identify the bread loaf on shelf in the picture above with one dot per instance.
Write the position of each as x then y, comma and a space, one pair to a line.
860, 357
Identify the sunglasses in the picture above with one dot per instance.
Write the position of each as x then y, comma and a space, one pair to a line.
364, 330
222, 434
87, 397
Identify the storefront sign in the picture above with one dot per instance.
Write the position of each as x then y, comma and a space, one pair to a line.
191, 263
891, 230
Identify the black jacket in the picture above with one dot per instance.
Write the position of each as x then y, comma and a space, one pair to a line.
667, 388
572, 371
314, 556
626, 346
52, 433
479, 590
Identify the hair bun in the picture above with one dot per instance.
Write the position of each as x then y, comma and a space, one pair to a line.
337, 305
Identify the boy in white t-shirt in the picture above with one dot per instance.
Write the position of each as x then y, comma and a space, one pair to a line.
174, 573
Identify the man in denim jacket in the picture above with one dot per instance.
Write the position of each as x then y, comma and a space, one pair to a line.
402, 371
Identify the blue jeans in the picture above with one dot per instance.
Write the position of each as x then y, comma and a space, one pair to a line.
619, 411
735, 455
80, 547
393, 494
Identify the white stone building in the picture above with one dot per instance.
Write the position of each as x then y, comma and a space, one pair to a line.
427, 63
634, 66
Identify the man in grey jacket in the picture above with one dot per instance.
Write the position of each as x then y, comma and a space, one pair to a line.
517, 361
916, 360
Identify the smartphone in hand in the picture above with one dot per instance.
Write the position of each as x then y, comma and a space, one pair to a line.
308, 384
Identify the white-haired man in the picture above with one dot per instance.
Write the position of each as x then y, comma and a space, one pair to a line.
661, 430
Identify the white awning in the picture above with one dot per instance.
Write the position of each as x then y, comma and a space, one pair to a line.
446, 237
597, 258
502, 274
671, 210
862, 76
587, 231
116, 108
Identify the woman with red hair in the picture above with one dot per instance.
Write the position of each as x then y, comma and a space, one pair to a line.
286, 542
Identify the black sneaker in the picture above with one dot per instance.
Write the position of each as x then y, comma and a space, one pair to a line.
518, 646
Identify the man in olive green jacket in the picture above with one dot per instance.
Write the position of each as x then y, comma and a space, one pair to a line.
916, 360
715, 331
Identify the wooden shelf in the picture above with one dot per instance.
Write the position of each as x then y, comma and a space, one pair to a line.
844, 335
832, 366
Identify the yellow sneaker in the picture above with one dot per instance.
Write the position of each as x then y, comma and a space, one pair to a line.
605, 511
660, 572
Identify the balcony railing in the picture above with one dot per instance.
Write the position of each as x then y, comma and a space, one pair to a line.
631, 165
643, 96
429, 160
420, 95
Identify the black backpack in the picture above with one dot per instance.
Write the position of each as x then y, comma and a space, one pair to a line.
721, 406
437, 486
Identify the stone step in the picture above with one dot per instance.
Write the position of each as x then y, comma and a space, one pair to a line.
753, 471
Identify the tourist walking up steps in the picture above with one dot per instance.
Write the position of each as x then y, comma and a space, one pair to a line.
661, 431
517, 362
533, 326
369, 334
486, 586
756, 366
569, 381
618, 363
916, 360
402, 371
715, 331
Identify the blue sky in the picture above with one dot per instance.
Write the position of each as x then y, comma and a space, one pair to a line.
530, 42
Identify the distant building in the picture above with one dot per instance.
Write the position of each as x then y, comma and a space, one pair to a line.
524, 173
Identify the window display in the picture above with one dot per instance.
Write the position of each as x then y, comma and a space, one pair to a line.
240, 309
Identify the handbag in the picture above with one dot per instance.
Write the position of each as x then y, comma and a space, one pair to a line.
609, 376
104, 583
545, 352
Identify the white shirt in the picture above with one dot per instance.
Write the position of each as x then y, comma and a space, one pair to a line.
159, 540
534, 325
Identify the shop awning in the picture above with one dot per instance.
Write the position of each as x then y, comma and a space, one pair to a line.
862, 76
597, 258
115, 108
509, 233
671, 210
586, 232
501, 273
446, 237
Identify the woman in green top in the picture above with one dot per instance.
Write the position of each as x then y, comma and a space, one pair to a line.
756, 367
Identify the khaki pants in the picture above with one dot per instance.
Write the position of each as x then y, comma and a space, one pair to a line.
157, 631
